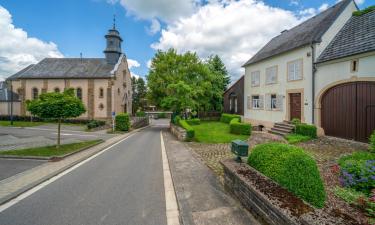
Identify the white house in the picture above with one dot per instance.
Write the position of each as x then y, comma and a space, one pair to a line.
310, 71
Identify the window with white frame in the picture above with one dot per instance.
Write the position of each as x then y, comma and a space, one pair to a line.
255, 78
273, 102
271, 75
295, 70
256, 102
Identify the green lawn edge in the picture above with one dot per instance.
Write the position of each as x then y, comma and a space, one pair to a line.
213, 132
52, 151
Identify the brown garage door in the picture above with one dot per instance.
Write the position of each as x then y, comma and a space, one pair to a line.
348, 111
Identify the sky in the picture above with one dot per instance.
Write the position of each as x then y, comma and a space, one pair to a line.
233, 29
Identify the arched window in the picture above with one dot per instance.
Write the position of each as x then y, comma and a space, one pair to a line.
101, 93
57, 90
101, 106
35, 93
79, 93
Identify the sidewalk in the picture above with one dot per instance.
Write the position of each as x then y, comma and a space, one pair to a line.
201, 197
16, 185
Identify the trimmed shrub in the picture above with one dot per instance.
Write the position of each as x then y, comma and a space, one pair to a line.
239, 128
176, 120
94, 124
295, 121
140, 114
192, 122
292, 168
122, 122
226, 118
189, 130
372, 142
306, 130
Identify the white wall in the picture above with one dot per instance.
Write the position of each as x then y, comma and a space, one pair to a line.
281, 87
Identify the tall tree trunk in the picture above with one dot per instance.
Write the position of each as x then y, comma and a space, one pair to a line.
58, 133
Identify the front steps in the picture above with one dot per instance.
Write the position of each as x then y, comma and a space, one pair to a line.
283, 128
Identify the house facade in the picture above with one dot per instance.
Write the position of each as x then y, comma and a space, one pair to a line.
287, 78
233, 98
103, 84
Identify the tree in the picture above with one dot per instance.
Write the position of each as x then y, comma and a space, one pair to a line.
139, 93
221, 80
57, 106
179, 81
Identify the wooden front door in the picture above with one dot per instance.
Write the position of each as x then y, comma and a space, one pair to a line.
295, 106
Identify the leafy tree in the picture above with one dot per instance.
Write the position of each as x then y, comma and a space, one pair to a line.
57, 106
139, 93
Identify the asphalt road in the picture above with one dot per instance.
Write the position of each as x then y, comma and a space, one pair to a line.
124, 185
10, 167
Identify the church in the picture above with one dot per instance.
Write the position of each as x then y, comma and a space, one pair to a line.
103, 84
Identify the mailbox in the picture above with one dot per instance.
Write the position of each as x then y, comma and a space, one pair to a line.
240, 149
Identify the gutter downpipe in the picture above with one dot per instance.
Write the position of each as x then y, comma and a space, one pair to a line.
313, 82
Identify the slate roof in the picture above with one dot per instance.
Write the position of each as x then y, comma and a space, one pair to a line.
67, 68
357, 36
304, 34
5, 93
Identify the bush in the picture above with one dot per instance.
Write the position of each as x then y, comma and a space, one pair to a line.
295, 121
226, 118
94, 124
239, 128
176, 120
122, 122
372, 142
292, 168
356, 156
195, 121
296, 138
364, 11
140, 114
358, 174
306, 130
189, 130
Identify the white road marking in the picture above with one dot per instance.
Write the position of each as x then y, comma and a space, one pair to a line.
58, 176
170, 196
79, 135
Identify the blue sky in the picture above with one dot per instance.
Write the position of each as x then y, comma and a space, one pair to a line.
76, 26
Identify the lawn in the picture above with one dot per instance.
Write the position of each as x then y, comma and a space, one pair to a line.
215, 132
49, 151
21, 123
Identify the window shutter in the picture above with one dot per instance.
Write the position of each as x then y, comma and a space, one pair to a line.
261, 101
268, 102
279, 102
249, 103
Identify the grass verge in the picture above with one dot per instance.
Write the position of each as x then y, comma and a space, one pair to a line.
215, 132
20, 124
296, 138
49, 151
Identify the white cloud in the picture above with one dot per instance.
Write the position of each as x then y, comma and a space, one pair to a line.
359, 2
133, 64
294, 2
155, 26
149, 62
17, 49
235, 31
323, 7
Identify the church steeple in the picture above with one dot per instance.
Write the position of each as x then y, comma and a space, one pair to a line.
113, 49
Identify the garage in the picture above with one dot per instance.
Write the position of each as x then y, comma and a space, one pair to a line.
348, 111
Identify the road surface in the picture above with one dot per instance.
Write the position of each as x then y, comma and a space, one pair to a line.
124, 185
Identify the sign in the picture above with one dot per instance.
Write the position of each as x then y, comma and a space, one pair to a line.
113, 121
113, 114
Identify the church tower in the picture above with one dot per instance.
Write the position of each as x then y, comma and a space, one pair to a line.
113, 49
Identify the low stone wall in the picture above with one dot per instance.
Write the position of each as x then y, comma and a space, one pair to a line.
178, 132
252, 199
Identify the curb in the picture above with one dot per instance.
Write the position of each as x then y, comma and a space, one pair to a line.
15, 194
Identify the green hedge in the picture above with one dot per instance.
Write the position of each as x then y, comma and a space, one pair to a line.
292, 168
195, 121
94, 124
189, 130
239, 128
122, 122
176, 120
306, 130
140, 114
226, 118
372, 142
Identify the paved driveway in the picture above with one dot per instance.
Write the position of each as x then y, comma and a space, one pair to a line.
16, 138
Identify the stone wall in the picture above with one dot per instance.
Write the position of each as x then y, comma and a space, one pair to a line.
178, 132
252, 199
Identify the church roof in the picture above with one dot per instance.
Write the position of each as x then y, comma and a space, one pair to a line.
308, 32
66, 68
357, 36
